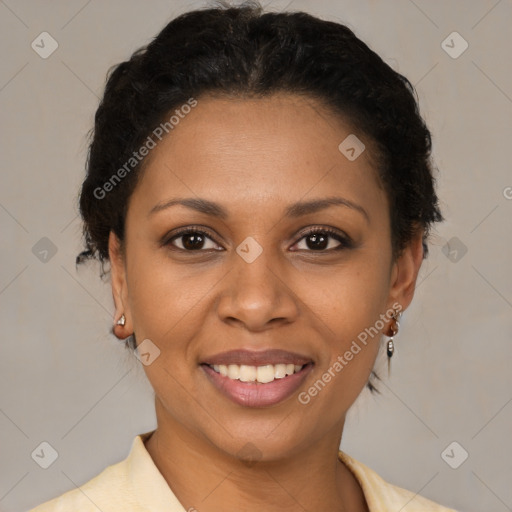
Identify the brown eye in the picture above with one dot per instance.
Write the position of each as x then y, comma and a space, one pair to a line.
192, 240
318, 240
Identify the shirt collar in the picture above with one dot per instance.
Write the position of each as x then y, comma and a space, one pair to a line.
149, 486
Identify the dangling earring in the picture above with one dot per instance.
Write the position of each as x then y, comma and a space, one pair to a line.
122, 320
394, 327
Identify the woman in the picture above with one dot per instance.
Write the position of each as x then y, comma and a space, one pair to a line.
261, 186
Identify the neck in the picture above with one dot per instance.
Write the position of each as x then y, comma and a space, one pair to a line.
207, 479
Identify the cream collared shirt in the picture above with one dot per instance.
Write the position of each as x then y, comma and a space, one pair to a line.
136, 485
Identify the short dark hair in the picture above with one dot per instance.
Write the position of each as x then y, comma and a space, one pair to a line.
242, 51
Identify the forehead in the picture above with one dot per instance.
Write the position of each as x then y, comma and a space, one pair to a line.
249, 150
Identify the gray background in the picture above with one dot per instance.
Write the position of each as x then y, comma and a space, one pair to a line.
65, 380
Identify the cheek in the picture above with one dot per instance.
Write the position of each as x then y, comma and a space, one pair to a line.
352, 296
351, 304
349, 354
165, 297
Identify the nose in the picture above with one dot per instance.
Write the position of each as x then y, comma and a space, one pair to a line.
257, 295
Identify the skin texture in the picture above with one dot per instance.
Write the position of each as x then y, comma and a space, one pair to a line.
255, 157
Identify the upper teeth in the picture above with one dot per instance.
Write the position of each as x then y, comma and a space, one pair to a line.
263, 374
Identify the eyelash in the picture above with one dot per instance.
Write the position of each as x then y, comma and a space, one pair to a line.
345, 242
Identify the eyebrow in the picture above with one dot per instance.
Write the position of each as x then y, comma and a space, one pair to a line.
294, 210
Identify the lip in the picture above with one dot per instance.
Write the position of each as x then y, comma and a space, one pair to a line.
257, 358
255, 394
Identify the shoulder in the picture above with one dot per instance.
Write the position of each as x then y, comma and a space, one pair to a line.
121, 486
382, 495
134, 485
103, 492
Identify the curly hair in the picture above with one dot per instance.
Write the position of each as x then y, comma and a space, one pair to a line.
242, 51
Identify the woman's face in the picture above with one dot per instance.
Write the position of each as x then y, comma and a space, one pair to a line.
257, 283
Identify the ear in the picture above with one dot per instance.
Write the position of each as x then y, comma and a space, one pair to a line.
119, 286
405, 272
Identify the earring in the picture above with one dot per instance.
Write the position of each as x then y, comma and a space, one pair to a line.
394, 327
122, 320
390, 348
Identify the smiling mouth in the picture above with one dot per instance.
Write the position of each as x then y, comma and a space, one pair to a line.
263, 374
